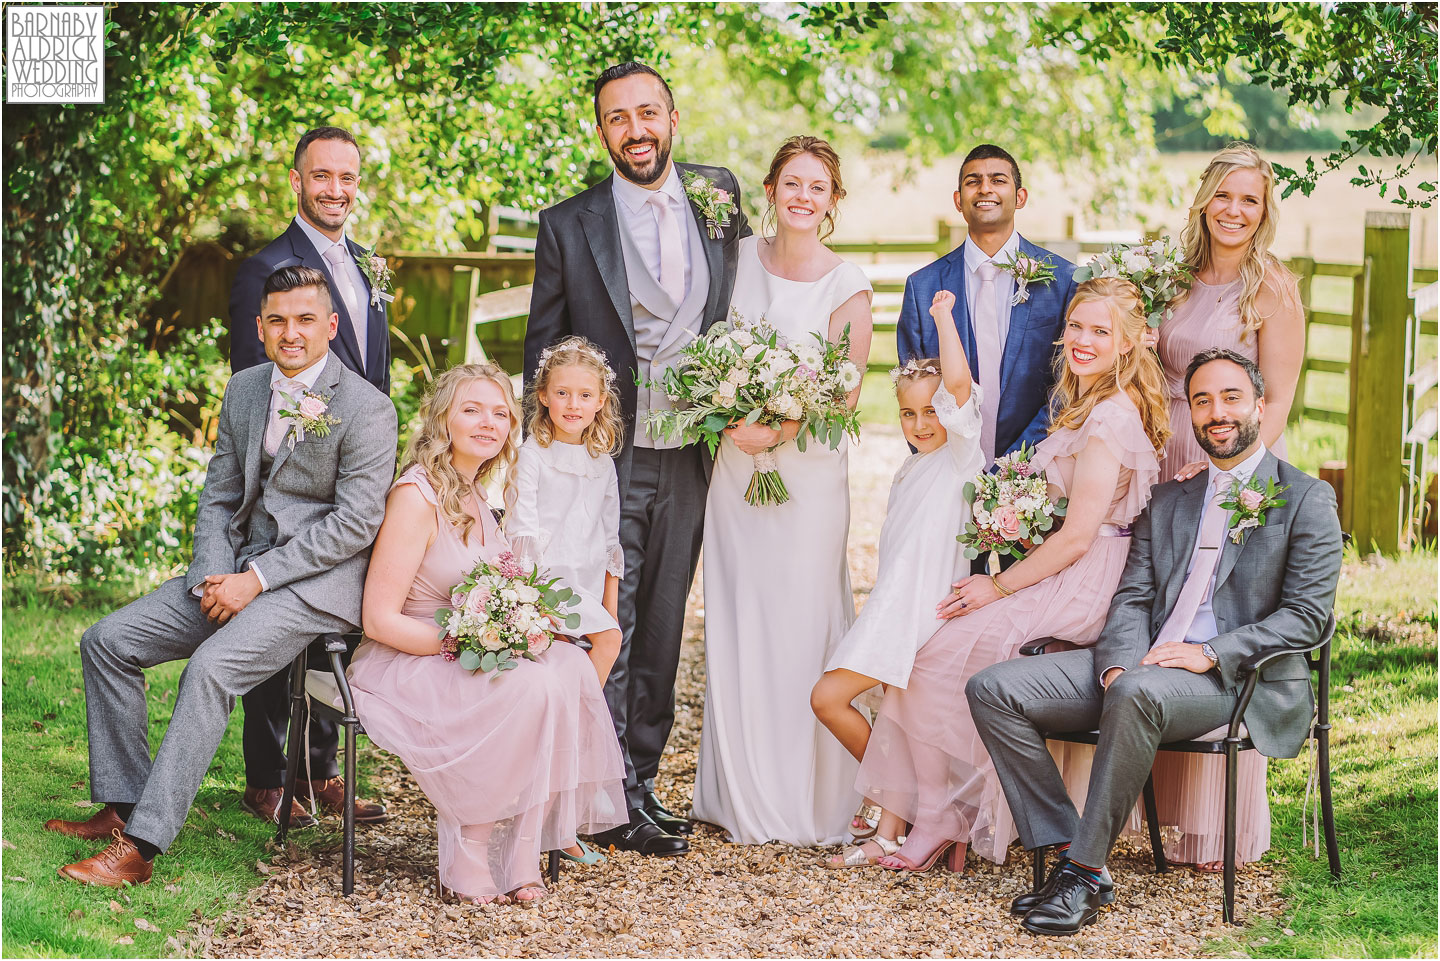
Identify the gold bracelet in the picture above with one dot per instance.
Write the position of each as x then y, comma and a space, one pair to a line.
999, 587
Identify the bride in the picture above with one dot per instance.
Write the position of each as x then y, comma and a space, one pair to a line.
777, 586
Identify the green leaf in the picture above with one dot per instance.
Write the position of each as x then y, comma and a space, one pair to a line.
488, 661
572, 621
469, 660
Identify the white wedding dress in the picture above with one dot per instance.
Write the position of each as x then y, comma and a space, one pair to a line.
777, 601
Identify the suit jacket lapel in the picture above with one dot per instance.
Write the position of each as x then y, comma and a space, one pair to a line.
601, 223
1230, 553
325, 386
373, 331
1184, 530
257, 421
1019, 321
714, 253
953, 280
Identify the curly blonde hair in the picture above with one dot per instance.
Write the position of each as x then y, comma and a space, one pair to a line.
1259, 262
821, 151
430, 446
1136, 371
607, 430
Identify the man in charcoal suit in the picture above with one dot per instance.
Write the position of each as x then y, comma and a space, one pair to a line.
325, 179
1201, 592
293, 498
632, 265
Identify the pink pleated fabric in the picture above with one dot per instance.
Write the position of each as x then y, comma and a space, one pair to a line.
925, 760
1190, 788
515, 764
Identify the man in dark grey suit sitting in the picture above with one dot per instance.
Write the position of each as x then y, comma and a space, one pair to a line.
1200, 594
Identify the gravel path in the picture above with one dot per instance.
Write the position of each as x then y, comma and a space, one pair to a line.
722, 900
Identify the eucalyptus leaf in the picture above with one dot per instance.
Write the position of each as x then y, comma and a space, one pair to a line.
469, 660
488, 661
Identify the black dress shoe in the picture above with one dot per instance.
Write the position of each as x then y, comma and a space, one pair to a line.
644, 836
664, 819
1070, 906
1021, 906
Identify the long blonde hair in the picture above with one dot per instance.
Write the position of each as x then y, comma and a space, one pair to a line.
1195, 237
1136, 371
430, 447
607, 430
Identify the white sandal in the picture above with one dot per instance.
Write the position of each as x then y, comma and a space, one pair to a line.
870, 814
854, 856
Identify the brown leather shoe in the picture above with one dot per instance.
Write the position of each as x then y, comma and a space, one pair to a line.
331, 795
116, 866
98, 827
264, 803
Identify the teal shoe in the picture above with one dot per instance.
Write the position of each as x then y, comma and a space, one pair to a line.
588, 856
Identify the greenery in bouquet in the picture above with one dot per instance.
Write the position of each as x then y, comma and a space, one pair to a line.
1156, 268
500, 613
1010, 507
750, 372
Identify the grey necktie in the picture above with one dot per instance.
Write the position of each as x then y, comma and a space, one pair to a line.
1206, 556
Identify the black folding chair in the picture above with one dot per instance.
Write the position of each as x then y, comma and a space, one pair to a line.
306, 696
1234, 741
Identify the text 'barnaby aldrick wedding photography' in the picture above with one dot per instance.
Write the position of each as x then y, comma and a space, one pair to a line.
55, 55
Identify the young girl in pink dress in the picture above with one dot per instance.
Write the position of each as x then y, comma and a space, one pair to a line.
925, 762
515, 764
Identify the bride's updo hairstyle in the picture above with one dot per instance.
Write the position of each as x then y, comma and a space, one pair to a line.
821, 151
430, 446
1137, 371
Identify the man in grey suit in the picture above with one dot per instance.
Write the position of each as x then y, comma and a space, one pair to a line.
633, 265
1201, 592
293, 498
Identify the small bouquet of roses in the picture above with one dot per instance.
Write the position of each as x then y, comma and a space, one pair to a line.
750, 372
501, 613
1008, 506
1156, 268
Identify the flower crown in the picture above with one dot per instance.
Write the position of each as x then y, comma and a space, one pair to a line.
912, 369
581, 346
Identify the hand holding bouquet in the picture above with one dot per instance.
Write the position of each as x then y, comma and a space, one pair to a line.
1008, 506
749, 372
1155, 268
500, 613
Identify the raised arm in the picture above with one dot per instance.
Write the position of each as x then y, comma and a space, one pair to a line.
954, 368
405, 535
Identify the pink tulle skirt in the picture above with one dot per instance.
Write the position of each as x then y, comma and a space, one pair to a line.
925, 761
515, 764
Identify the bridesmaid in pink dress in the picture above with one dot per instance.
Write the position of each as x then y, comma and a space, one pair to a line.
514, 764
925, 761
1246, 300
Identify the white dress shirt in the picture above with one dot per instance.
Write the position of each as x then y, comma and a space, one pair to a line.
1203, 628
1004, 284
632, 206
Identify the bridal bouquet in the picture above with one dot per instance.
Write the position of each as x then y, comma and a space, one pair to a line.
501, 613
1156, 268
1008, 506
750, 372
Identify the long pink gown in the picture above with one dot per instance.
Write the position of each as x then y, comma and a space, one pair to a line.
515, 764
1190, 788
925, 760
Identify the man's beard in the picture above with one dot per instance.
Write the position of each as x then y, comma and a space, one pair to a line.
310, 204
1246, 433
652, 171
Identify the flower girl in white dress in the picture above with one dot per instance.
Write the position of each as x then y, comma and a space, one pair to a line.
563, 501
919, 557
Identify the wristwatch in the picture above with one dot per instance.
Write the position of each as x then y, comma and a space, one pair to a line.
1209, 652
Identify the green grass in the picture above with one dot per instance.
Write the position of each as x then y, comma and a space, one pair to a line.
1383, 710
207, 871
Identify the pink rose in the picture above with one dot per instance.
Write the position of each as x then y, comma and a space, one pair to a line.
457, 600
539, 642
1251, 499
722, 195
312, 407
1007, 521
476, 602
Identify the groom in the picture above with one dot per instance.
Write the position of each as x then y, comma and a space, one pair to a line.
282, 534
632, 265
1192, 605
1010, 346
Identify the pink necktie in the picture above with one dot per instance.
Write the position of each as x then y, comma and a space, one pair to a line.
672, 252
1208, 544
986, 325
276, 427
335, 257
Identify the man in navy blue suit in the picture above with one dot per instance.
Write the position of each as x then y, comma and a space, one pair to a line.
325, 179
1010, 346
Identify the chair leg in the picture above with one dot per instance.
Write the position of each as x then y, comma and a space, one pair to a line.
1039, 867
1327, 804
553, 863
1152, 818
1231, 772
348, 817
294, 740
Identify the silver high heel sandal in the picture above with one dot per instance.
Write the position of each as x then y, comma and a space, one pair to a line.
854, 856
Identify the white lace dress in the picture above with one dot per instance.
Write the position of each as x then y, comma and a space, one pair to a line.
566, 520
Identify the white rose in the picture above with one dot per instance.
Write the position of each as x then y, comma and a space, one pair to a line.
725, 394
739, 377
526, 593
742, 337
982, 517
1134, 261
795, 410
752, 351
509, 596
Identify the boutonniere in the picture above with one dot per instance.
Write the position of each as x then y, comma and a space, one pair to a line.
379, 274
715, 205
1027, 270
1248, 503
311, 413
